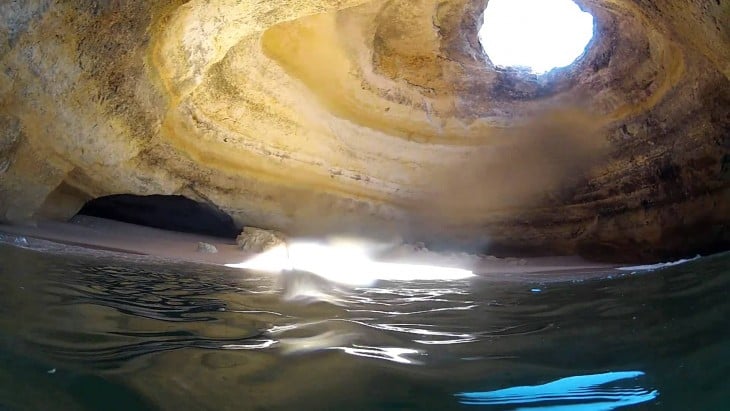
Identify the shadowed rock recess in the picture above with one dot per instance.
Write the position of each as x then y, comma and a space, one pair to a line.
173, 213
375, 118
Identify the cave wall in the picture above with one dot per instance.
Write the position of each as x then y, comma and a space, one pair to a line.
375, 117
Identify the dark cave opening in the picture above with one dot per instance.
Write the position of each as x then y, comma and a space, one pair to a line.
167, 212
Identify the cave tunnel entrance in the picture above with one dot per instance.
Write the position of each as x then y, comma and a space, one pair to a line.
167, 212
538, 35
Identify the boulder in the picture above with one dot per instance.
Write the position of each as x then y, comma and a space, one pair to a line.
258, 240
207, 248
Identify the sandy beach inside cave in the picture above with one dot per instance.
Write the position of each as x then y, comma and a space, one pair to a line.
96, 234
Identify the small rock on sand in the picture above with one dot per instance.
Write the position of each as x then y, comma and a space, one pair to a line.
207, 248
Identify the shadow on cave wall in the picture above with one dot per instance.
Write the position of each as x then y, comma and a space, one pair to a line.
168, 212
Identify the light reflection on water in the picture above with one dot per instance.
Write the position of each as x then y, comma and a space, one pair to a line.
192, 337
395, 354
345, 261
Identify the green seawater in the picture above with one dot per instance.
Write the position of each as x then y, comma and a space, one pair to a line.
107, 332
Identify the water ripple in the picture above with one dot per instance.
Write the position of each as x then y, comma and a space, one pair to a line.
394, 354
112, 357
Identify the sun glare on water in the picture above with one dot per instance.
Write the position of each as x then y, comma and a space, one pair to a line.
345, 263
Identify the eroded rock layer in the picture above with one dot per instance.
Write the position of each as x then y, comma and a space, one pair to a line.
377, 118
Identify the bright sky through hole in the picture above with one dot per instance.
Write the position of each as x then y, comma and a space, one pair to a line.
538, 34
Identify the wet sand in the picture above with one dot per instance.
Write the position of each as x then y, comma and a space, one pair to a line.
84, 233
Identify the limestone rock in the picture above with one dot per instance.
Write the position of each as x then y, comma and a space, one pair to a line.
257, 240
206, 248
375, 118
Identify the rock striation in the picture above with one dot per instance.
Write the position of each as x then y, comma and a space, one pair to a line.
375, 118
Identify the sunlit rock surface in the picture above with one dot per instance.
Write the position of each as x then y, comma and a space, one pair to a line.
258, 240
375, 118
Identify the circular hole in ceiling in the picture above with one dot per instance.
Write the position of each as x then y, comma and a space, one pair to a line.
538, 35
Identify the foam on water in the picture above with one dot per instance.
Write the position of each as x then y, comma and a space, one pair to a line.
658, 266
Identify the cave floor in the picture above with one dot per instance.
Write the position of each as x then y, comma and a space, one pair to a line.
84, 234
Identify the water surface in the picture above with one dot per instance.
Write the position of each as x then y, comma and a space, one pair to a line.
111, 333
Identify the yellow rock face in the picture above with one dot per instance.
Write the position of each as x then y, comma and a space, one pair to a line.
375, 118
